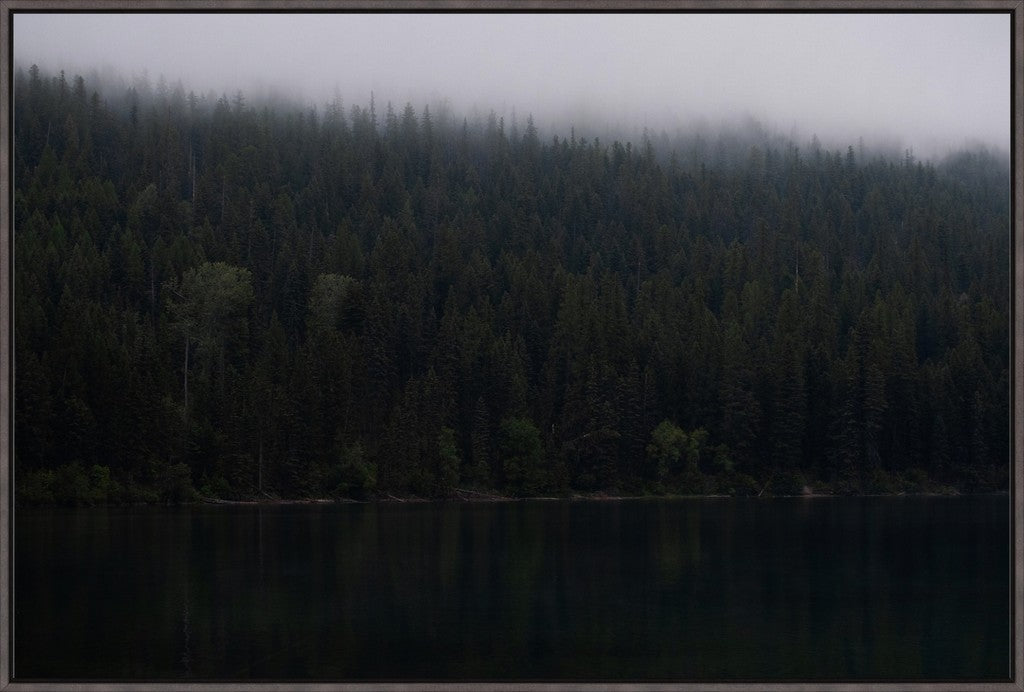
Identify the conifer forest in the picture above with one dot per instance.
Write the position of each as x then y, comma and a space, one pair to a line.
225, 298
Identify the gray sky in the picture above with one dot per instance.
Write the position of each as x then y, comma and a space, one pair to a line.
929, 80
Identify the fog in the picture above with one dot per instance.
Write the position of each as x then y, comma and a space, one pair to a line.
929, 82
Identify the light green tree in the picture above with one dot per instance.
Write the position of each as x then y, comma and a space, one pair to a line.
668, 444
207, 307
522, 455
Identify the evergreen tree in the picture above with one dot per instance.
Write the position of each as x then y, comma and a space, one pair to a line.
263, 301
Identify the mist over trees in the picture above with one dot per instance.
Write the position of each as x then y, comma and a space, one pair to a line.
259, 298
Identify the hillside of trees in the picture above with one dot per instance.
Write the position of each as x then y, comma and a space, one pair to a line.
232, 300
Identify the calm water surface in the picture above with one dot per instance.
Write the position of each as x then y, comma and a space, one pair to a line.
838, 588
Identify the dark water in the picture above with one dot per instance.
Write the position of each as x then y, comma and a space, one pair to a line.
704, 589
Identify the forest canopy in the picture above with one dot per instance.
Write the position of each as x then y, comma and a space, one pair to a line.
232, 300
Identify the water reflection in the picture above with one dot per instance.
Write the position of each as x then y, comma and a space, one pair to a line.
696, 589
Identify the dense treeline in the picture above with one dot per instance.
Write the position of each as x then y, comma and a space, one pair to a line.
270, 300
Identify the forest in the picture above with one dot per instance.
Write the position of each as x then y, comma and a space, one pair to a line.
217, 298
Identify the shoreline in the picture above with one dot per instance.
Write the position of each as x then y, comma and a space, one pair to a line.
465, 496
473, 497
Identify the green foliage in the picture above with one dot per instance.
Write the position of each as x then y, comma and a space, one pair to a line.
174, 484
448, 461
35, 487
353, 476
668, 449
787, 483
210, 301
215, 487
522, 456
677, 457
103, 488
722, 459
738, 484
139, 494
306, 306
328, 300
69, 484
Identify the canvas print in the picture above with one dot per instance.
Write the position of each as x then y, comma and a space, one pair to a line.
543, 346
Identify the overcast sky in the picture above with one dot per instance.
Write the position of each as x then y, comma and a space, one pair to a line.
930, 80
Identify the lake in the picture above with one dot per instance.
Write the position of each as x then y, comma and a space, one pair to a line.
688, 589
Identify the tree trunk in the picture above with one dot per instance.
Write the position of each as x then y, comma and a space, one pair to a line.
184, 450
